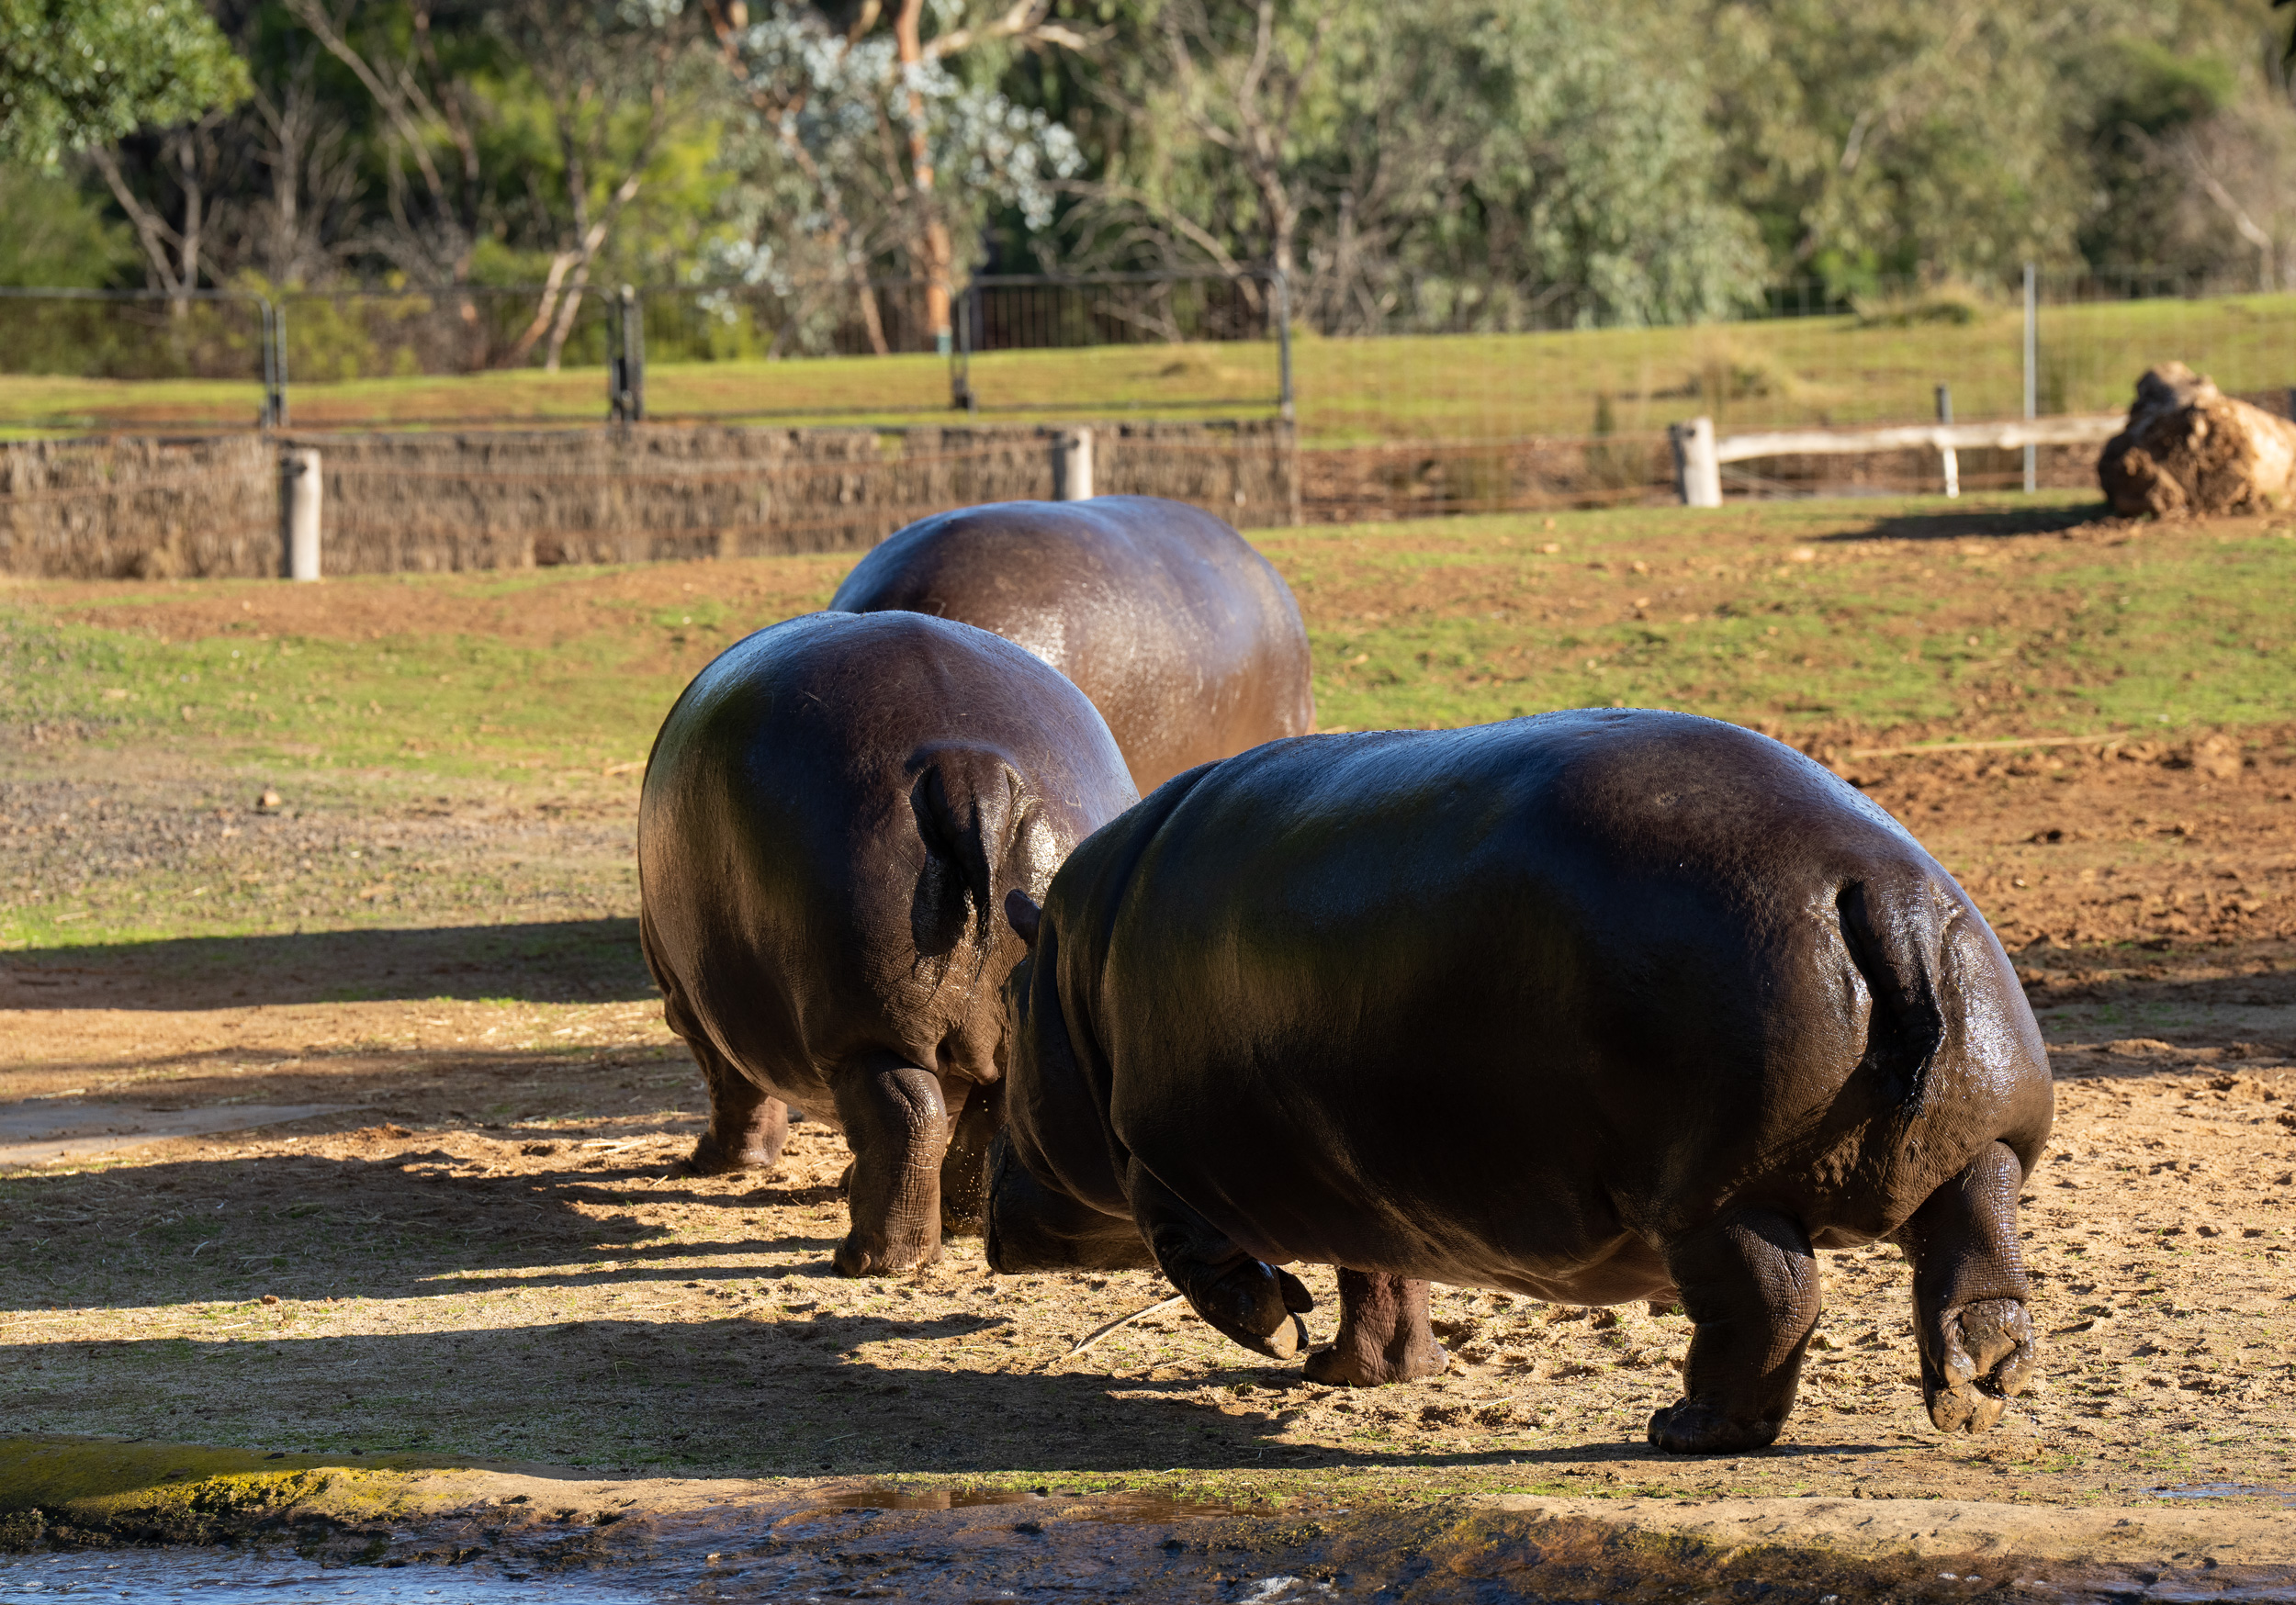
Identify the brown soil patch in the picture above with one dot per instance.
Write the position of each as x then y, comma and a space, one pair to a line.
506, 1205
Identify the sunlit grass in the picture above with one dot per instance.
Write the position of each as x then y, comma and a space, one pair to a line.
1747, 376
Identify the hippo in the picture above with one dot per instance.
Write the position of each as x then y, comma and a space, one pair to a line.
1595, 1006
831, 815
1184, 637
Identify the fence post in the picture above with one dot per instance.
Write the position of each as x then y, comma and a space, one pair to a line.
299, 488
1697, 471
276, 402
962, 314
1289, 444
1284, 407
2033, 375
626, 358
1947, 455
1072, 466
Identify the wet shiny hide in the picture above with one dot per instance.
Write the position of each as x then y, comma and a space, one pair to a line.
1186, 639
1597, 1006
832, 816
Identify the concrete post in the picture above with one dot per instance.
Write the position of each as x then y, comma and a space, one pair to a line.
1072, 466
1948, 459
2032, 373
1697, 471
299, 511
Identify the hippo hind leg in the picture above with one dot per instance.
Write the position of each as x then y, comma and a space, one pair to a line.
1970, 1294
897, 1125
964, 1168
1749, 1282
1254, 1304
1030, 1226
748, 1125
1383, 1334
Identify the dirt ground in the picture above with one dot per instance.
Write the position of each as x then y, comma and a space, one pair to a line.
491, 1251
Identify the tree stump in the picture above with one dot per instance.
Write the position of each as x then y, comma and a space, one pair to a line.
2190, 448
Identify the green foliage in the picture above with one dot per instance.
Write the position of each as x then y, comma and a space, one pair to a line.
81, 72
56, 234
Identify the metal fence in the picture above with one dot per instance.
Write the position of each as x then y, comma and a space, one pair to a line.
1559, 406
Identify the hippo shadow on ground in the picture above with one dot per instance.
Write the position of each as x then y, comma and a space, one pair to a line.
727, 1398
590, 960
1977, 524
307, 1227
771, 1386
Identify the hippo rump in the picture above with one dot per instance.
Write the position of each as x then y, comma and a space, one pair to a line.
1593, 1006
832, 814
1185, 640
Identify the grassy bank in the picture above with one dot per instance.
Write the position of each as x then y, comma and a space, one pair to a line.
1911, 619
1773, 372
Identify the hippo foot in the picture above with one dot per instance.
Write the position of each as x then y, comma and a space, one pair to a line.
854, 1257
1258, 1305
855, 1261
1383, 1334
712, 1158
1692, 1427
1340, 1367
1988, 1359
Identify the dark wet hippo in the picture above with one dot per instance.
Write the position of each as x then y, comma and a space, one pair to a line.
1185, 640
1596, 1007
833, 813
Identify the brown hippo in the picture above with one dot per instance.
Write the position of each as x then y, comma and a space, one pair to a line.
1185, 640
832, 815
1594, 1007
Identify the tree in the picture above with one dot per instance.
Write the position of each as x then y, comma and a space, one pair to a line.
1455, 164
852, 127
532, 127
80, 73
1922, 138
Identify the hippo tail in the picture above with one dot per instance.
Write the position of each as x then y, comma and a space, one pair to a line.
973, 812
1899, 939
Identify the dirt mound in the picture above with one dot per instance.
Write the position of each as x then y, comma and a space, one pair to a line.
2190, 448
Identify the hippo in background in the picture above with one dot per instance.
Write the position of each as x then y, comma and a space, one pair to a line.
832, 815
1595, 1006
1184, 637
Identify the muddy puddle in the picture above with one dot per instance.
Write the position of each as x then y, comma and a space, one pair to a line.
969, 1547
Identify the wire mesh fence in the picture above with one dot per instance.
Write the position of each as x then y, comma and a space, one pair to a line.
1556, 408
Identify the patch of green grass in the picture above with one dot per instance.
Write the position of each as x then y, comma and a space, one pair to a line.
2163, 627
1799, 614
1841, 620
451, 706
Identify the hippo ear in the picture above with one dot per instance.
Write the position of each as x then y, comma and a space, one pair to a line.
1021, 910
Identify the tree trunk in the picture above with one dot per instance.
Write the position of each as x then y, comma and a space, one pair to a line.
936, 252
2189, 449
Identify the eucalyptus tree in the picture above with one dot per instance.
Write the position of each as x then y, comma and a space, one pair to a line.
877, 144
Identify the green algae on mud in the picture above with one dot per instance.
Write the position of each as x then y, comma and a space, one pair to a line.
782, 1538
96, 1489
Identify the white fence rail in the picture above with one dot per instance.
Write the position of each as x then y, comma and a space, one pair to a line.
1699, 456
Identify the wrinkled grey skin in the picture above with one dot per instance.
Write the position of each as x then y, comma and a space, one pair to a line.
1596, 1007
1184, 637
832, 815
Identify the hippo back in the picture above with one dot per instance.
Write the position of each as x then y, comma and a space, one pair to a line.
1483, 1004
831, 814
1183, 636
